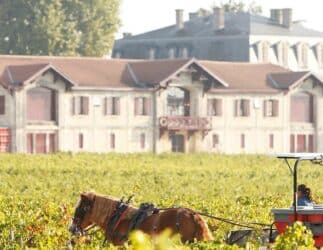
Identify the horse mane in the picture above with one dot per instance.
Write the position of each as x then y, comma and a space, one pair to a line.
103, 207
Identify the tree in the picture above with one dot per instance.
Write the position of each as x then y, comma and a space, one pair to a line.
239, 5
58, 27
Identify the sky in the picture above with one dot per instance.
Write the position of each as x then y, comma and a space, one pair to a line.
138, 16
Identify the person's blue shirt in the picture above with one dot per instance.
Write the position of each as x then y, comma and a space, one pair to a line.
303, 201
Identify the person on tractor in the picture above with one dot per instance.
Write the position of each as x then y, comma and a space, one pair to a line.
304, 196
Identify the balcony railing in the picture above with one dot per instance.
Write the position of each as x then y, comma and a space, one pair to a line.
185, 123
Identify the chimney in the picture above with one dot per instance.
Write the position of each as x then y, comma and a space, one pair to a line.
276, 15
126, 34
192, 15
179, 19
287, 17
218, 18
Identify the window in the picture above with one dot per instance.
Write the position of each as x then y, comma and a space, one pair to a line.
242, 141
282, 49
302, 54
142, 106
302, 143
112, 141
301, 108
40, 143
270, 108
81, 141
2, 104
242, 107
171, 53
271, 141
80, 105
142, 140
184, 53
214, 107
263, 51
41, 104
112, 106
215, 140
178, 101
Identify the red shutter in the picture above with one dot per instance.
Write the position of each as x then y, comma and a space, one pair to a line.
147, 103
310, 143
136, 110
41, 143
218, 107
30, 143
2, 104
85, 105
292, 143
311, 109
275, 107
52, 143
117, 105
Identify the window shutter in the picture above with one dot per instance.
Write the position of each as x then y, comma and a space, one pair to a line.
246, 107
112, 141
292, 143
117, 105
215, 140
243, 143
142, 141
275, 107
2, 105
271, 141
81, 142
85, 105
147, 106
218, 107
310, 143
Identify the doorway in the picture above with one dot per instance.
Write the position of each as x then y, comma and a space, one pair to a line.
177, 143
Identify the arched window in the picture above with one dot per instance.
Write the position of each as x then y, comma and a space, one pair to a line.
178, 101
301, 108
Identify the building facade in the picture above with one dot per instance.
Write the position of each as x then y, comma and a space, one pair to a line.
226, 36
50, 104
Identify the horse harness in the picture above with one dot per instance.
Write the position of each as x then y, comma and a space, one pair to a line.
120, 211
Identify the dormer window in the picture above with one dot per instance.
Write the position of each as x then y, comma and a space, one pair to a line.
152, 53
171, 53
319, 54
263, 48
184, 53
302, 55
282, 51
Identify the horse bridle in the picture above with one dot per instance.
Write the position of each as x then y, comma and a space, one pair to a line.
80, 212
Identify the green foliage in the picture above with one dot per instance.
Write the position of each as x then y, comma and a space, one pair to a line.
58, 27
38, 192
295, 237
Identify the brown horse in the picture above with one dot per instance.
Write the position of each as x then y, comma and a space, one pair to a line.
118, 219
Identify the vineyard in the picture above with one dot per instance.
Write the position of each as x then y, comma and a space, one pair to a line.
38, 193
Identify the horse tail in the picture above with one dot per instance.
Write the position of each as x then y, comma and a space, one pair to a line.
203, 232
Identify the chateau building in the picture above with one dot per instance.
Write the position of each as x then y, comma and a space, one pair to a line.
50, 104
223, 36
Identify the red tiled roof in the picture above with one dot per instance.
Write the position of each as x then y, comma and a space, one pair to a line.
99, 72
